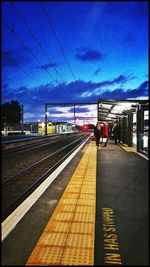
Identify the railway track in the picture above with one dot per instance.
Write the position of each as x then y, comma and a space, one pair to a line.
18, 187
17, 162
14, 151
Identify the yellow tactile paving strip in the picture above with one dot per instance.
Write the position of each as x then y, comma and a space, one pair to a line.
68, 238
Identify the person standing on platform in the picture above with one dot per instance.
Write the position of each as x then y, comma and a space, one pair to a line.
97, 133
105, 133
117, 132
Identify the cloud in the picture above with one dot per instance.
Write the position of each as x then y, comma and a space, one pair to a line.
141, 91
97, 71
67, 93
144, 86
15, 57
48, 66
80, 91
89, 55
80, 109
121, 79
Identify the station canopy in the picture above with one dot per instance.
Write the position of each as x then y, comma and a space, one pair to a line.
109, 110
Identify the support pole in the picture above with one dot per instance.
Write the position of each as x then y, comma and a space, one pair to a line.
74, 115
45, 119
98, 112
22, 118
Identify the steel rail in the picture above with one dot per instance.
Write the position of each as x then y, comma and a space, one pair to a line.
36, 183
27, 147
6, 181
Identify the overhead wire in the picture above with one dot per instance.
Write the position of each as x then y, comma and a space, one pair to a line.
29, 50
13, 62
37, 41
58, 41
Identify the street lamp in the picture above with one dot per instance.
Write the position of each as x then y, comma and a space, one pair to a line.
46, 114
22, 118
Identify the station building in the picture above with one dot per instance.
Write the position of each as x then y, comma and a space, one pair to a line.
133, 116
55, 128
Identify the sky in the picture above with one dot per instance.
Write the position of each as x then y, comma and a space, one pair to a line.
73, 52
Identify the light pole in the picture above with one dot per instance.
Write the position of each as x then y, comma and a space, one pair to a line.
74, 114
46, 113
22, 118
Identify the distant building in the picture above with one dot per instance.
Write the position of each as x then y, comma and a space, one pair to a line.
58, 127
28, 128
51, 128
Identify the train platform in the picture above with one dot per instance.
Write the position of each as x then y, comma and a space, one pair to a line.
94, 213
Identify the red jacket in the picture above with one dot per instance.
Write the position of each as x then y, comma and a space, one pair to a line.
105, 130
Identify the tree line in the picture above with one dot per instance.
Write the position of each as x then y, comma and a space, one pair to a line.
11, 113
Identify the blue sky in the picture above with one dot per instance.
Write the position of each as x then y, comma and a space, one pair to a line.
76, 52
